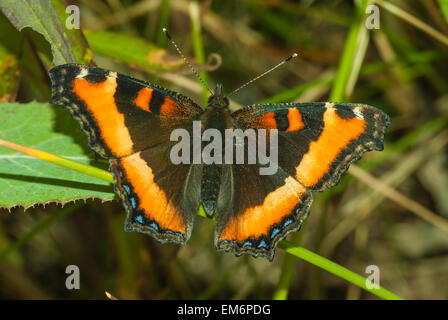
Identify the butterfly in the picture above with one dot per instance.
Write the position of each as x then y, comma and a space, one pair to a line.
130, 122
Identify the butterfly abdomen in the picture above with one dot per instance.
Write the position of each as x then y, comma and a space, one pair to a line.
217, 119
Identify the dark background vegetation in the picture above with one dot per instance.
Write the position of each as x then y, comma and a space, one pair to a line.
403, 72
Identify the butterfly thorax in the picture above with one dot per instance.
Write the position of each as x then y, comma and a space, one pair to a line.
218, 99
217, 115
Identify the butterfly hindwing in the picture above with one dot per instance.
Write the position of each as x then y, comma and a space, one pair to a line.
161, 199
319, 140
130, 121
256, 211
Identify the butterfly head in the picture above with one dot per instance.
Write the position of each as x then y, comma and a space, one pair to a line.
218, 99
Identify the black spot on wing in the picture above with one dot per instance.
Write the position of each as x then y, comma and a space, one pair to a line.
344, 111
295, 144
135, 118
313, 118
281, 117
95, 75
157, 100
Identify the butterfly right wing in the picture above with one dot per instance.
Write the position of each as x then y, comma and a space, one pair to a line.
316, 144
318, 141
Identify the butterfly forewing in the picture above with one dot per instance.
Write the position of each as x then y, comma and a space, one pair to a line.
318, 141
119, 114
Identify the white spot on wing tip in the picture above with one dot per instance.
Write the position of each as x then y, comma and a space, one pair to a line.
82, 73
358, 112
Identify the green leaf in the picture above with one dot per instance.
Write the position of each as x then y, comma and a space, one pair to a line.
75, 36
34, 78
41, 16
131, 50
24, 180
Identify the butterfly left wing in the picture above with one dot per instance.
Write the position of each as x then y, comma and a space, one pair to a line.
130, 121
161, 199
120, 115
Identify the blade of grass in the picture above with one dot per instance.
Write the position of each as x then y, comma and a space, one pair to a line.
397, 11
198, 45
164, 16
352, 56
336, 269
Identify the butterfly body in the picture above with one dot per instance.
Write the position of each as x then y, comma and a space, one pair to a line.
131, 122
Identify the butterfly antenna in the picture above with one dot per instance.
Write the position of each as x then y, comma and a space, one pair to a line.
186, 60
264, 73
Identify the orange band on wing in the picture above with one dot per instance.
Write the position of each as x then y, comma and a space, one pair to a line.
99, 99
256, 221
170, 108
335, 137
268, 121
295, 120
143, 98
152, 200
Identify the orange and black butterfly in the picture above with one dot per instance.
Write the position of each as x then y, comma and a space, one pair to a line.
130, 122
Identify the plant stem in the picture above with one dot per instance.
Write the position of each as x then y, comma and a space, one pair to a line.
336, 269
67, 163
